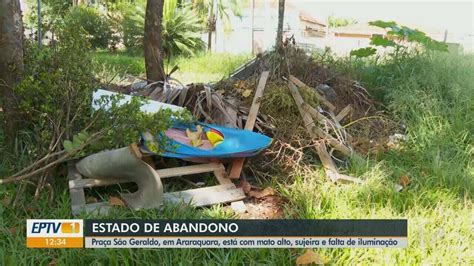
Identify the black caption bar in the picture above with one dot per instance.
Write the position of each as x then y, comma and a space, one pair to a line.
257, 228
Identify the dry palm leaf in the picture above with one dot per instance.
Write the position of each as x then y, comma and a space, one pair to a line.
114, 201
310, 257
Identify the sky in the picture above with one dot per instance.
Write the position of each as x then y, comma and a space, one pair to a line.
453, 16
456, 16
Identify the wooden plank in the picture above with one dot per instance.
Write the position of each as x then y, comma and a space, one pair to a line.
313, 112
343, 113
206, 196
236, 168
91, 182
307, 119
321, 98
327, 162
314, 131
221, 177
163, 173
252, 116
237, 206
198, 197
190, 170
223, 193
238, 163
231, 120
325, 120
136, 151
98, 208
330, 167
77, 195
343, 177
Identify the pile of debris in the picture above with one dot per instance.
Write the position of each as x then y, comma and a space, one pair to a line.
333, 109
309, 110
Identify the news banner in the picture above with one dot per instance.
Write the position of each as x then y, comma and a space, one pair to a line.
77, 233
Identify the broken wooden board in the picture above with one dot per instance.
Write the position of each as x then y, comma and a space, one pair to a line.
327, 162
206, 196
321, 98
198, 197
163, 173
249, 68
238, 164
313, 130
77, 194
331, 121
231, 120
330, 167
252, 116
97, 208
317, 115
225, 192
348, 178
236, 206
343, 113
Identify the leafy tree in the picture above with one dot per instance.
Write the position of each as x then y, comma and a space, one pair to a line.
340, 22
402, 39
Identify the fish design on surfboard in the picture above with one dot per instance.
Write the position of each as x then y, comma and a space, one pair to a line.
200, 140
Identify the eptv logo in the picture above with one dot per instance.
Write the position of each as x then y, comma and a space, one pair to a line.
54, 227
42, 233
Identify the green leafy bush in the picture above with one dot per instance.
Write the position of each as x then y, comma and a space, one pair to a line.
56, 90
132, 26
96, 25
56, 102
363, 52
335, 22
181, 28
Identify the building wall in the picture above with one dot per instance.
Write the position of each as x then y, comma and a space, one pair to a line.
239, 38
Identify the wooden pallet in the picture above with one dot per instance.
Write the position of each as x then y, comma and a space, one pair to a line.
225, 192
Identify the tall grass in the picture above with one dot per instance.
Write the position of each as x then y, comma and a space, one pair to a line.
432, 96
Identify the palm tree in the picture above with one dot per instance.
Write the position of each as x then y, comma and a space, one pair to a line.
181, 29
208, 10
153, 41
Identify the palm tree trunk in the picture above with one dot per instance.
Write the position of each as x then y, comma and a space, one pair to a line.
211, 26
281, 16
209, 40
153, 41
11, 63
